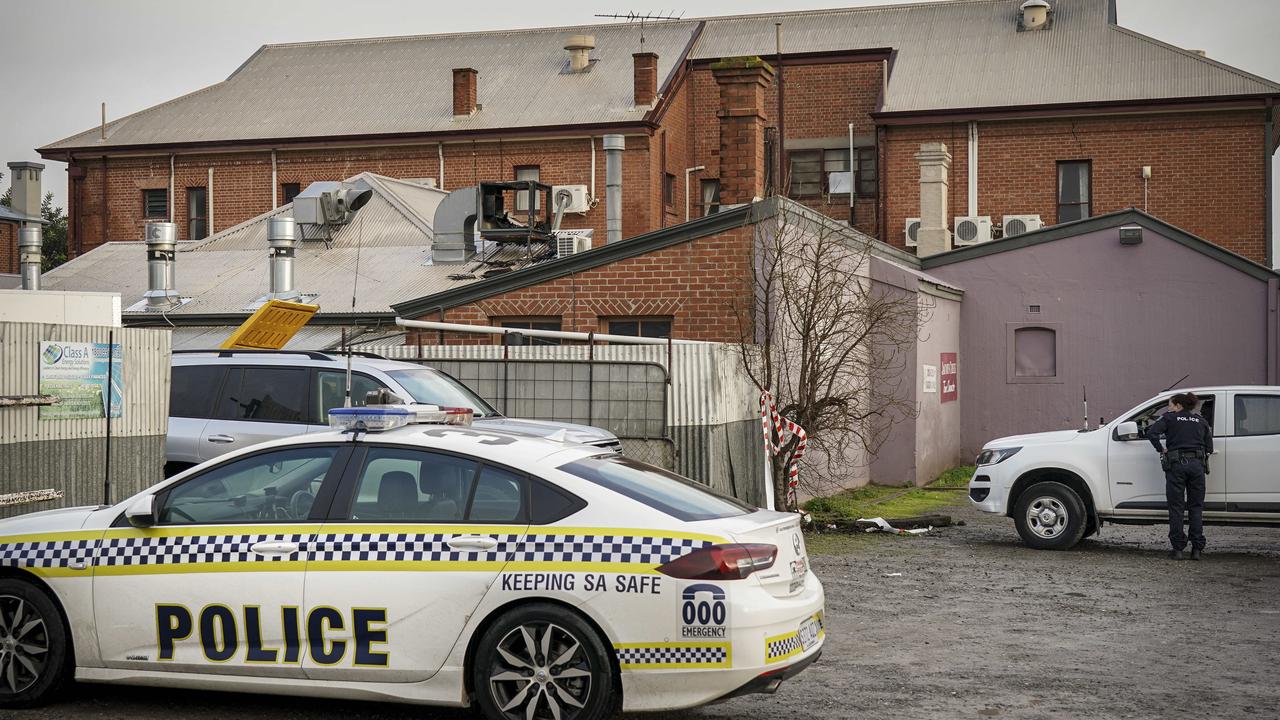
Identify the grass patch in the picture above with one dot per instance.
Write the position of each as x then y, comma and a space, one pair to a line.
892, 502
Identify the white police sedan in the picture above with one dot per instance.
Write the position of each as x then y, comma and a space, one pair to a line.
409, 557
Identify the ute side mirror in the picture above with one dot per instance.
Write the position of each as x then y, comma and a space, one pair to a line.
1127, 431
141, 513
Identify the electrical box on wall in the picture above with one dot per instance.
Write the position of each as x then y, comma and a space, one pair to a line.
578, 194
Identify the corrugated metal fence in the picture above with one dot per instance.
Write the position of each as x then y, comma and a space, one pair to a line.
70, 455
688, 407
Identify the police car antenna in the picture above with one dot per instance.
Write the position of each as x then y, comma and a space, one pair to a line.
1084, 393
1176, 383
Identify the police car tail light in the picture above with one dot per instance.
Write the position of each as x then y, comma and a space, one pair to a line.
722, 562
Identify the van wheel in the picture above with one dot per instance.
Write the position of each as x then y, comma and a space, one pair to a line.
34, 647
542, 661
1050, 516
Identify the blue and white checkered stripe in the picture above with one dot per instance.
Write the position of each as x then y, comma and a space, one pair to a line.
660, 655
202, 549
369, 547
48, 554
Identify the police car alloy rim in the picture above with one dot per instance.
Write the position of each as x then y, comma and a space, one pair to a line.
540, 670
1047, 517
24, 645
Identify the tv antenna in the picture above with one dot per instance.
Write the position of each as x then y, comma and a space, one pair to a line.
642, 18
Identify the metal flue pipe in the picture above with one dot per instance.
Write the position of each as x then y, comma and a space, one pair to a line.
162, 245
613, 147
281, 237
30, 240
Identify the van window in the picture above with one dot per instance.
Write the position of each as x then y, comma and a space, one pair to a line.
192, 388
330, 392
1257, 415
1150, 413
264, 393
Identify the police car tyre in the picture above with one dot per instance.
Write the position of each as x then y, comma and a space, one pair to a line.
1050, 516
542, 661
33, 645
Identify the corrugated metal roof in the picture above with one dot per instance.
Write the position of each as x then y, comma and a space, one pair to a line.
405, 85
8, 214
969, 54
387, 240
309, 337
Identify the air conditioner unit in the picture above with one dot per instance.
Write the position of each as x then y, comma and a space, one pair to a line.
572, 242
578, 193
972, 230
1018, 224
913, 227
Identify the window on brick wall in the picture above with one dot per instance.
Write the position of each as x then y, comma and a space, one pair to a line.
865, 172
668, 189
1074, 197
709, 197
819, 172
527, 172
155, 204
640, 327
289, 191
533, 324
197, 213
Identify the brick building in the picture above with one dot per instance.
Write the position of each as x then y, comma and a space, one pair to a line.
1060, 117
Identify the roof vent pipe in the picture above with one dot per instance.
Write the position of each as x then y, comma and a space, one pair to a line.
1035, 15
29, 256
162, 245
580, 47
281, 235
613, 147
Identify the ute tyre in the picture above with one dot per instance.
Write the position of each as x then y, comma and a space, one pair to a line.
546, 655
34, 647
1050, 516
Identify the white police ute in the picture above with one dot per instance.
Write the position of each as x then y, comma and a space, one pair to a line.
406, 556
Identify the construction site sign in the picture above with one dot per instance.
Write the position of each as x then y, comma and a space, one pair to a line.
271, 327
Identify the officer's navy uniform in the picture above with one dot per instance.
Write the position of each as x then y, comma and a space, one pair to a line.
1188, 444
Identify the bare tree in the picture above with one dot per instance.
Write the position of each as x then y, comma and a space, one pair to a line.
828, 342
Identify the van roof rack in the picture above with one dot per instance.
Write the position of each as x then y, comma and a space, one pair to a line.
312, 354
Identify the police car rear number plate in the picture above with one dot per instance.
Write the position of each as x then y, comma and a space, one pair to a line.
808, 633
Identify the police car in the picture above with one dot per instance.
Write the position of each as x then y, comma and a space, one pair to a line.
407, 556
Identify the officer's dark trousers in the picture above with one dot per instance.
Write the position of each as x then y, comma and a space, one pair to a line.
1184, 490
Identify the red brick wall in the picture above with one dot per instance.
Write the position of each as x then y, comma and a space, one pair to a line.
242, 181
700, 284
8, 248
1207, 174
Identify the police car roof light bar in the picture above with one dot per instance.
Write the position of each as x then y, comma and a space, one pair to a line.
380, 418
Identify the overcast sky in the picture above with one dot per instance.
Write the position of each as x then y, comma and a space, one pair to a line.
60, 58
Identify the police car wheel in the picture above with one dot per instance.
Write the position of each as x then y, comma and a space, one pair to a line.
33, 645
542, 662
1050, 516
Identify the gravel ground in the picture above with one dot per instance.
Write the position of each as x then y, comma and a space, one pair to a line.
976, 626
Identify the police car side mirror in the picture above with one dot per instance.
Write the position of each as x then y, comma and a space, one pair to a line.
141, 513
1127, 431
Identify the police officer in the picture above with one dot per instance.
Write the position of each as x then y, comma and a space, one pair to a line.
1188, 442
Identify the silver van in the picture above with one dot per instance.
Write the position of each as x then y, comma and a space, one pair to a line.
223, 400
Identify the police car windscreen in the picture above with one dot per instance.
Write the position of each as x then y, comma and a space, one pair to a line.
657, 488
435, 388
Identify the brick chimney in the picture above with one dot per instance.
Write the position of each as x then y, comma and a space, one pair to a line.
742, 83
25, 183
464, 91
935, 166
646, 77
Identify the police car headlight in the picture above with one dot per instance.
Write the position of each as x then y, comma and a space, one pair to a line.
996, 456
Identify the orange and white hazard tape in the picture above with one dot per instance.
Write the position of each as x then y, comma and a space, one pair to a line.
773, 425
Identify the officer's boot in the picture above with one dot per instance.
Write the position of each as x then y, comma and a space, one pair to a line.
1175, 554
1195, 553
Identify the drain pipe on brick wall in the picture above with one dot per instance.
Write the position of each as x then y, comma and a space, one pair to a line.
687, 173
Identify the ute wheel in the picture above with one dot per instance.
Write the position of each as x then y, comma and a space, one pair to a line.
34, 647
1050, 516
542, 662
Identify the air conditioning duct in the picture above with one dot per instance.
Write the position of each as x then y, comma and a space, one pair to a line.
972, 230
330, 203
1019, 224
910, 231
162, 247
572, 242
454, 225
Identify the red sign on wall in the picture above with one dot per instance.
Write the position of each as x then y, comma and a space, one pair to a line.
949, 378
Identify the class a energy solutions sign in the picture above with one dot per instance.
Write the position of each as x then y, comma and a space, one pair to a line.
77, 374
